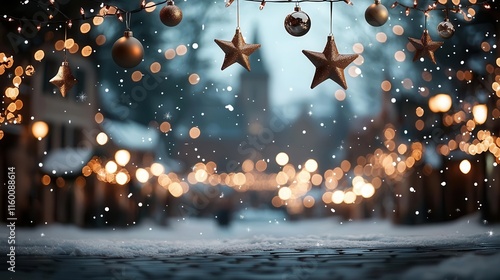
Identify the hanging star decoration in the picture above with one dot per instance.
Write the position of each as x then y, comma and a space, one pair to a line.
330, 64
237, 50
64, 79
425, 46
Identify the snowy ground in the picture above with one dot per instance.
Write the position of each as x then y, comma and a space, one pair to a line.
203, 236
266, 249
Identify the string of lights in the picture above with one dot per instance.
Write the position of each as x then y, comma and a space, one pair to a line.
443, 6
104, 11
119, 12
128, 52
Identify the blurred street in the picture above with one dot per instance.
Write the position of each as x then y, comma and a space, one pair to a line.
128, 152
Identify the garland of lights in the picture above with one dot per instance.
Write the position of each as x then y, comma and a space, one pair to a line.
128, 52
425, 46
173, 15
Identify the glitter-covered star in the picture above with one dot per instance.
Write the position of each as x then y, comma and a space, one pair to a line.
330, 64
236, 50
425, 46
64, 79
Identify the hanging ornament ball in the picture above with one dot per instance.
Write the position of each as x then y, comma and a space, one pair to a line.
376, 14
446, 29
297, 23
170, 14
127, 51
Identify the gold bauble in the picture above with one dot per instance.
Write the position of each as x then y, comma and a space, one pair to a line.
170, 14
127, 51
376, 14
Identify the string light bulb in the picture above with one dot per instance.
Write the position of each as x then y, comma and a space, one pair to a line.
262, 5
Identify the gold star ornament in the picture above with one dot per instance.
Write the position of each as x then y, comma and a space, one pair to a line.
330, 64
237, 50
425, 46
64, 80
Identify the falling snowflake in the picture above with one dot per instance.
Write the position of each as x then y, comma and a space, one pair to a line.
81, 97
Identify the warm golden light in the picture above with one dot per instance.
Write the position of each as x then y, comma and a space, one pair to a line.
136, 76
86, 51
194, 132
181, 50
368, 190
122, 157
175, 189
111, 167
386, 85
465, 166
121, 178
419, 111
170, 54
201, 175
480, 113
165, 127
381, 37
99, 118
157, 169
39, 55
155, 67
440, 103
311, 165
308, 201
338, 197
40, 129
194, 79
46, 180
340, 95
101, 138
285, 193
142, 175
349, 197
261, 165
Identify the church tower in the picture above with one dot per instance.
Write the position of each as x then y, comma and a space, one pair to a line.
254, 92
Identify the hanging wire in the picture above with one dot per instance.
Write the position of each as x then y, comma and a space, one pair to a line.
238, 14
484, 3
128, 17
331, 18
425, 21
